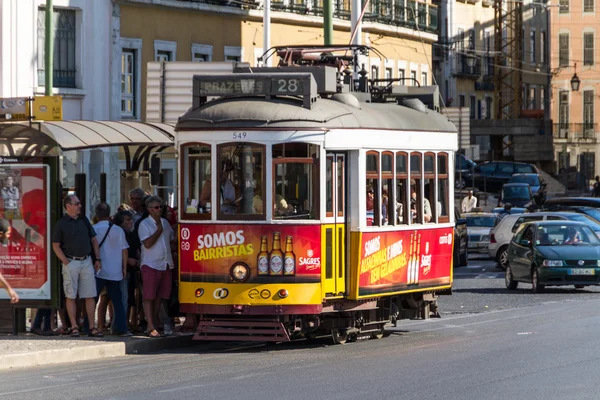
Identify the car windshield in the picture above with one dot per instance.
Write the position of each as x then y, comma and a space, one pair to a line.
566, 235
528, 179
481, 221
516, 192
587, 220
592, 212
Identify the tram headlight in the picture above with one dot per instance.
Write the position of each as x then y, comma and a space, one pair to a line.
240, 272
283, 293
199, 292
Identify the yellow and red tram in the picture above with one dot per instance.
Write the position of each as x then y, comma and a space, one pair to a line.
311, 204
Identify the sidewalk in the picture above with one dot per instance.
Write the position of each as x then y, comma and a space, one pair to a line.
29, 350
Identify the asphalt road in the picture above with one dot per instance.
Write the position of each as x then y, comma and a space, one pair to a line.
521, 346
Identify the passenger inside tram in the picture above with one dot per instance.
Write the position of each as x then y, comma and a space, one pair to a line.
415, 205
205, 194
280, 204
227, 189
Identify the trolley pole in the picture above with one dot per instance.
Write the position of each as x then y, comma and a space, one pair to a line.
328, 21
49, 48
267, 29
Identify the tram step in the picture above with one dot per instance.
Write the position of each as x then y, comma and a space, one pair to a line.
246, 330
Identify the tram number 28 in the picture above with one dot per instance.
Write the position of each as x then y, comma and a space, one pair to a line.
289, 86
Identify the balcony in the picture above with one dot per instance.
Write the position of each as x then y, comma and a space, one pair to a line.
577, 132
415, 15
461, 69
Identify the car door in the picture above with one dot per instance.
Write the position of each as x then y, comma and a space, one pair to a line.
513, 253
484, 174
523, 254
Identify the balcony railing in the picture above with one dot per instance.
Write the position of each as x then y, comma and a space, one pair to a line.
575, 131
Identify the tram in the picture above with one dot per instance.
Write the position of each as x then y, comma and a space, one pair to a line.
312, 203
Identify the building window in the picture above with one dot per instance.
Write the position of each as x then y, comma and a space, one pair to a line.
563, 49
588, 109
65, 41
413, 77
531, 99
388, 73
532, 46
488, 108
543, 47
564, 6
128, 87
588, 48
542, 98
202, 52
424, 78
472, 39
588, 5
401, 76
374, 72
233, 53
461, 100
523, 44
165, 50
472, 107
563, 116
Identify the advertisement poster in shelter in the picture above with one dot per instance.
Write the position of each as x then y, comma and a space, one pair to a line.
287, 252
405, 260
25, 254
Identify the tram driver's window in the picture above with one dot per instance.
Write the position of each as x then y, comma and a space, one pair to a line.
241, 189
196, 181
402, 186
429, 186
373, 202
295, 181
443, 190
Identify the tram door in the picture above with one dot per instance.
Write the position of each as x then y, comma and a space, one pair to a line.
333, 232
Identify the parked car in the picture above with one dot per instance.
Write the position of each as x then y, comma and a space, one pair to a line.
535, 181
517, 194
461, 240
463, 167
553, 253
592, 212
479, 225
501, 235
514, 210
492, 175
573, 201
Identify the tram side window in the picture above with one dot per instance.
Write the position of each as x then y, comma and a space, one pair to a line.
241, 181
196, 182
372, 185
419, 207
443, 190
401, 188
296, 181
388, 209
429, 185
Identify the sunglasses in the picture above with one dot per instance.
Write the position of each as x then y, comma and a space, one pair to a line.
156, 207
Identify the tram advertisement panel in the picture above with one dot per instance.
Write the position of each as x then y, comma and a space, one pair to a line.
404, 260
24, 255
273, 253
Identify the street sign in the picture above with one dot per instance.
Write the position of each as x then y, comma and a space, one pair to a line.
13, 108
47, 108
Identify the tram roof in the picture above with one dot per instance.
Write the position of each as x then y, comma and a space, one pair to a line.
288, 112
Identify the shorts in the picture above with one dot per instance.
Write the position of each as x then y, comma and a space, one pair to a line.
78, 278
156, 284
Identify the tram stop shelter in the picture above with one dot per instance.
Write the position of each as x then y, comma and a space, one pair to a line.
31, 168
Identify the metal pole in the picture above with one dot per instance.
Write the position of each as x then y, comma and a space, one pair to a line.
267, 29
49, 48
356, 22
328, 21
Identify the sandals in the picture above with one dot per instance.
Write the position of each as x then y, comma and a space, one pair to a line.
75, 332
153, 334
95, 333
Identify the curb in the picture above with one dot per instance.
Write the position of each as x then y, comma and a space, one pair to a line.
61, 355
145, 345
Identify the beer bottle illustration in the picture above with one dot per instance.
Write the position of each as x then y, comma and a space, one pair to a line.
418, 258
263, 257
409, 269
289, 258
276, 256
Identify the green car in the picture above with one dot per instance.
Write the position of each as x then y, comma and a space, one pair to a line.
553, 253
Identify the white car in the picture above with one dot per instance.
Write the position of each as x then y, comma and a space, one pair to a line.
501, 234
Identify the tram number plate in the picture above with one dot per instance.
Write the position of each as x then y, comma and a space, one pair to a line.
582, 271
239, 135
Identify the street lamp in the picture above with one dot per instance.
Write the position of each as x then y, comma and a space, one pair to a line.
575, 81
471, 61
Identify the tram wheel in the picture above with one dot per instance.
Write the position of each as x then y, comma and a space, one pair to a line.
338, 336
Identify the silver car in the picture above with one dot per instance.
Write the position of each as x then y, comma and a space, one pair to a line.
479, 225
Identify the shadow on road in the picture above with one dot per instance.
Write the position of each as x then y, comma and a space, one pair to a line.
525, 290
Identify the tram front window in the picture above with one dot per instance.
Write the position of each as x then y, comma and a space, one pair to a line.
296, 181
196, 181
240, 180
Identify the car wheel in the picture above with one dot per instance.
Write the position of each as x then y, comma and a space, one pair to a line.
502, 257
535, 285
511, 284
459, 183
579, 286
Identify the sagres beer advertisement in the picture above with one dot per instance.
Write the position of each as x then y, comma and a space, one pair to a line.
273, 253
24, 255
394, 261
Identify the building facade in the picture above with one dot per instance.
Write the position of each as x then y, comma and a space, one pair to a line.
575, 27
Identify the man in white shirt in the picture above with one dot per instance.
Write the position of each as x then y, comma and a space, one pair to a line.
113, 252
469, 202
156, 236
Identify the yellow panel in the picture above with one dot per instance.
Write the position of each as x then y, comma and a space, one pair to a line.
355, 241
328, 284
250, 293
340, 285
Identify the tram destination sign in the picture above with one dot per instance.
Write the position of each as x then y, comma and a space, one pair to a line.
259, 84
